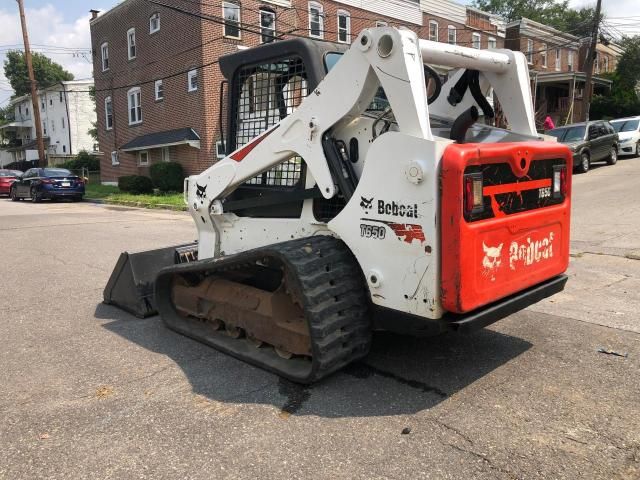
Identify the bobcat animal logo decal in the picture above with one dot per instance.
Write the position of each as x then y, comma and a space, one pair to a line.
366, 203
201, 192
491, 261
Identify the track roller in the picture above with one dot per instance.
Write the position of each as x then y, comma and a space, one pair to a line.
298, 308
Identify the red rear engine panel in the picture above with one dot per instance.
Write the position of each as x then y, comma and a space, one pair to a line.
517, 235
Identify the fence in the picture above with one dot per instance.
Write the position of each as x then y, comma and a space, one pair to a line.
90, 176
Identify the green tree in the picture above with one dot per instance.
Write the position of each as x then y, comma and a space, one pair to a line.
46, 71
624, 98
554, 13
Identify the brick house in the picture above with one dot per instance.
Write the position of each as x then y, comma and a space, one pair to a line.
158, 83
556, 62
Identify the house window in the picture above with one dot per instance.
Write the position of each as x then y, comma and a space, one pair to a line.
143, 158
543, 55
159, 89
164, 153
108, 113
606, 64
530, 51
64, 149
433, 31
60, 97
53, 125
558, 58
51, 101
231, 14
104, 48
154, 23
135, 107
192, 80
131, 43
491, 42
316, 20
267, 26
26, 111
570, 60
476, 40
42, 102
451, 35
380, 23
114, 158
344, 27
44, 127
63, 124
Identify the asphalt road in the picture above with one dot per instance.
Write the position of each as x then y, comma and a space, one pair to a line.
87, 391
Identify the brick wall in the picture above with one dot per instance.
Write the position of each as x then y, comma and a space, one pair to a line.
516, 41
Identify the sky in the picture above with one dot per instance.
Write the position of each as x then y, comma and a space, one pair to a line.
60, 28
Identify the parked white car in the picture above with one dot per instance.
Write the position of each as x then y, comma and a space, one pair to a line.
629, 133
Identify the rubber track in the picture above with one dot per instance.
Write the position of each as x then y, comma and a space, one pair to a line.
323, 275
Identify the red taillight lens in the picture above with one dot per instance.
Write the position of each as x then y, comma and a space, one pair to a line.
47, 181
563, 181
473, 199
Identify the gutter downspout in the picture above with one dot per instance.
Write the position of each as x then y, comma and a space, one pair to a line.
66, 107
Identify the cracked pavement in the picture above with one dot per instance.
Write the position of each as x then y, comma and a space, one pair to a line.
87, 391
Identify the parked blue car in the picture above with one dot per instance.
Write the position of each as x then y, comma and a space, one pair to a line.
53, 183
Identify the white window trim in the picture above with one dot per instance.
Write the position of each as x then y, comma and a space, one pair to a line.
529, 54
151, 29
434, 23
104, 48
155, 90
271, 13
115, 160
320, 8
108, 100
543, 55
344, 13
146, 163
131, 44
165, 154
220, 152
131, 91
451, 28
558, 59
190, 74
492, 40
570, 61
477, 36
224, 29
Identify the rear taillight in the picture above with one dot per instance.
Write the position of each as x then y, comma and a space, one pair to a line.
47, 181
473, 200
559, 181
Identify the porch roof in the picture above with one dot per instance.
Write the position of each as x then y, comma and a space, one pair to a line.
567, 77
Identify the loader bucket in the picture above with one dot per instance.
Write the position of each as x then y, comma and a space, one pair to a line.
132, 281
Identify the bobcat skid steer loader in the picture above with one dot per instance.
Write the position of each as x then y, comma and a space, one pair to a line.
360, 193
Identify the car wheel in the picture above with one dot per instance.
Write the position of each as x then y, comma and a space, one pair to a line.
13, 195
36, 196
585, 162
613, 156
638, 149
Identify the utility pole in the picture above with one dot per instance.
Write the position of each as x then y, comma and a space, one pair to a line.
588, 67
34, 88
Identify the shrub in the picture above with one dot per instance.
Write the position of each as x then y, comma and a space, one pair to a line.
136, 184
83, 160
167, 176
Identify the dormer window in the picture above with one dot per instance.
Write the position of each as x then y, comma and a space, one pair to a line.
154, 23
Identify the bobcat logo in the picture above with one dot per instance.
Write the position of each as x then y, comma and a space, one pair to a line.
491, 261
201, 192
366, 203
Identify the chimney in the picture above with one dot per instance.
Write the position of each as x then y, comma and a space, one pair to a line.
94, 14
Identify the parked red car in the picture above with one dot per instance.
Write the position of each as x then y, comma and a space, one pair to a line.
7, 177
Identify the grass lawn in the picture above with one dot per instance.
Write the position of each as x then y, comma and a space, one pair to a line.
111, 194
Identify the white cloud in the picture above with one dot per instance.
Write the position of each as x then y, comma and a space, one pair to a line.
46, 26
621, 16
